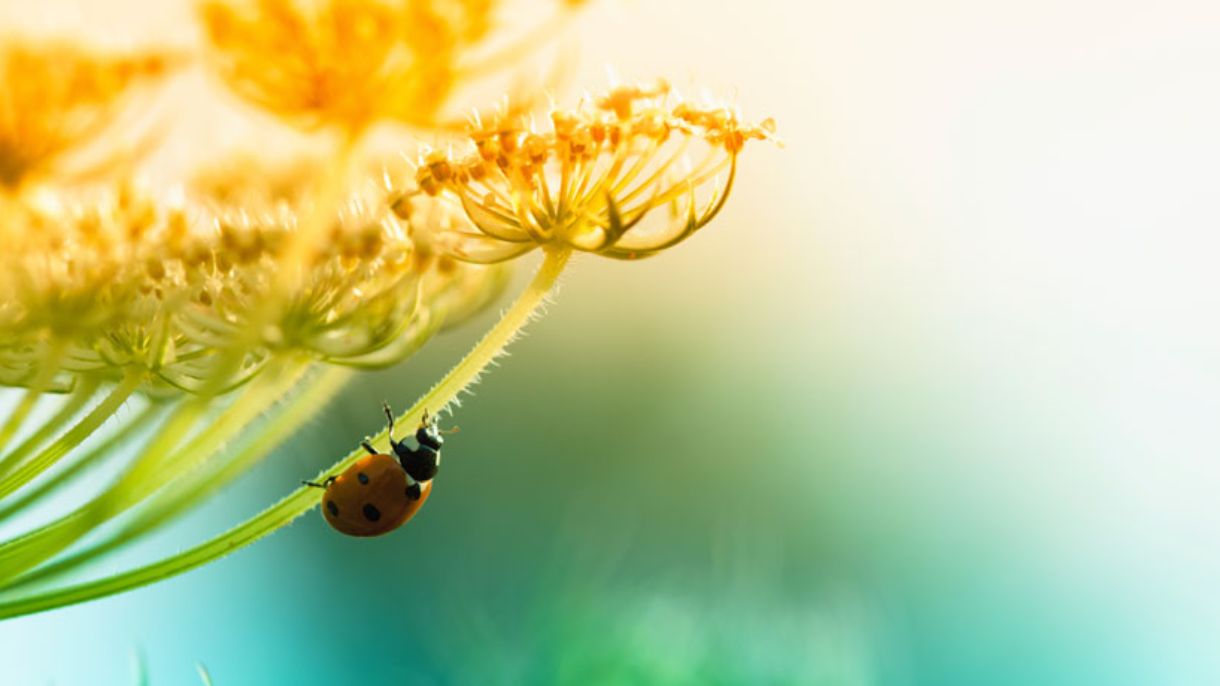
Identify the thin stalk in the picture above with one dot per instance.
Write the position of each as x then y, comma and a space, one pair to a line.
45, 375
84, 390
74, 436
304, 499
22, 552
184, 494
693, 180
80, 465
154, 467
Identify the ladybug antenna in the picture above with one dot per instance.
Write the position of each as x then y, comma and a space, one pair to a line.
452, 430
389, 416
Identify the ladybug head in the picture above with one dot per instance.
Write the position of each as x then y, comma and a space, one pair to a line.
429, 435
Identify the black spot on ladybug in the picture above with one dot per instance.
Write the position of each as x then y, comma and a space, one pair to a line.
371, 513
413, 492
364, 478
334, 509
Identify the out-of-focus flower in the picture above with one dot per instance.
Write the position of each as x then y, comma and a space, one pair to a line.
245, 180
590, 179
349, 63
56, 99
247, 185
127, 282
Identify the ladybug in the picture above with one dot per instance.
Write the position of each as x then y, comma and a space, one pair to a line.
378, 494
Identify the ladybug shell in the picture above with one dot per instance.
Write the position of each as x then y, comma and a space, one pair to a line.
370, 498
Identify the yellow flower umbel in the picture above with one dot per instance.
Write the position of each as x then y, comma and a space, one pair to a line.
223, 321
55, 101
589, 181
342, 66
125, 282
350, 63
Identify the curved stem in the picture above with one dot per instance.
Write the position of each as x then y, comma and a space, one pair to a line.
81, 464
159, 464
79, 432
80, 395
303, 499
491, 345
42, 379
180, 496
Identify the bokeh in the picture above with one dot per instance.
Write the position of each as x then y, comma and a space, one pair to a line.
933, 402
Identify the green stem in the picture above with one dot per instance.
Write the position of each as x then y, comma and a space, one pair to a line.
167, 437
81, 464
84, 390
158, 465
182, 495
303, 499
45, 375
73, 437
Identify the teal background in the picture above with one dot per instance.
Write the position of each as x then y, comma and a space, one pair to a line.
634, 502
933, 402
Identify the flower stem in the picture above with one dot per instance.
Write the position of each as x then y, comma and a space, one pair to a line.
40, 382
81, 464
160, 463
303, 499
80, 395
491, 345
82, 430
183, 494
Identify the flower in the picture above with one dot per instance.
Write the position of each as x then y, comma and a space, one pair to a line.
178, 291
56, 99
348, 63
590, 179
234, 313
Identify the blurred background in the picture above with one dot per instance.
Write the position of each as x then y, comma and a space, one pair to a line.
933, 402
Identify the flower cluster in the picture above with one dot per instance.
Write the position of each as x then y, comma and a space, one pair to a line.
348, 63
238, 301
57, 98
589, 180
126, 282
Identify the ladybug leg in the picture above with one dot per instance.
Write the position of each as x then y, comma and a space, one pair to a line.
389, 417
371, 449
325, 484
